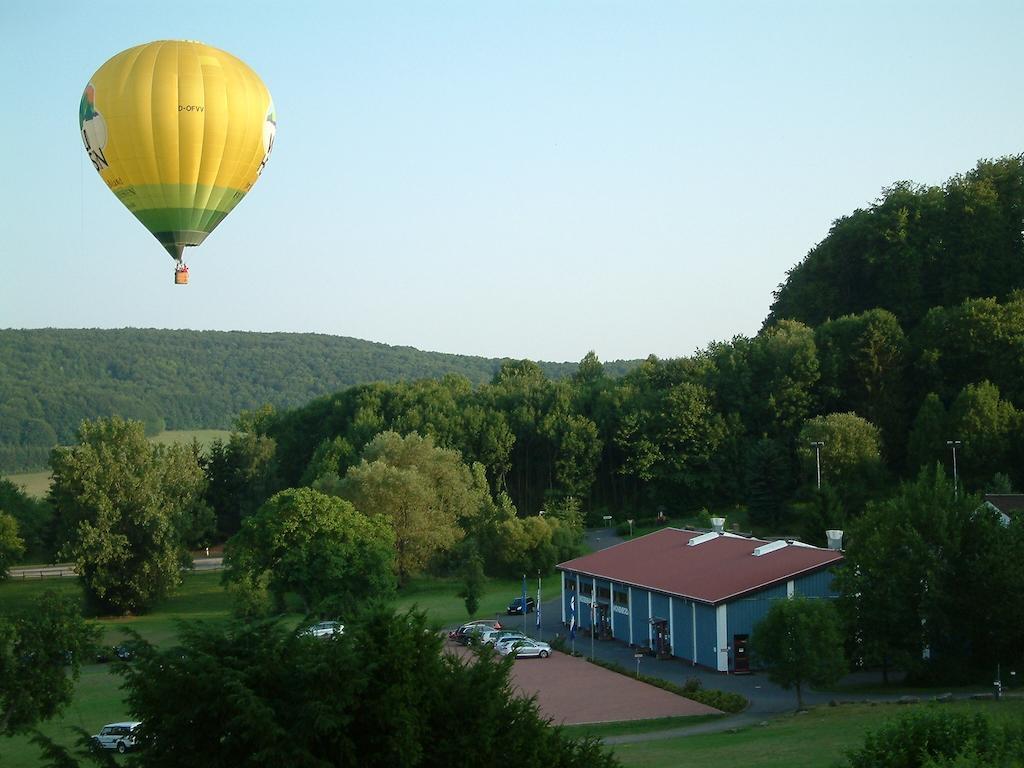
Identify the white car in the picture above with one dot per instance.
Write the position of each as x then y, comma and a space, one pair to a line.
495, 636
521, 648
324, 629
119, 736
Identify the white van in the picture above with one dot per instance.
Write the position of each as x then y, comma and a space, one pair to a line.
119, 736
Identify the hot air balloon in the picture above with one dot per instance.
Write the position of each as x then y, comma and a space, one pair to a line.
179, 131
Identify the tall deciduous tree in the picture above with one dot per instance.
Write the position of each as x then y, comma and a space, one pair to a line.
41, 651
11, 545
426, 493
800, 643
850, 459
930, 573
121, 502
315, 546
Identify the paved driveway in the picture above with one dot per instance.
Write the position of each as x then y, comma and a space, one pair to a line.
572, 691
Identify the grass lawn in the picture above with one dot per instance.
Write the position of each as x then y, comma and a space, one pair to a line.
37, 484
815, 739
631, 727
98, 699
437, 598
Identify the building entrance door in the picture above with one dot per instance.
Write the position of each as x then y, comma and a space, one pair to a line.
662, 648
741, 659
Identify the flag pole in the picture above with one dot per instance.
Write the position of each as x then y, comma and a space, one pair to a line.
540, 631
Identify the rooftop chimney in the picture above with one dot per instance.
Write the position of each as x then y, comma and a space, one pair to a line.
718, 524
835, 540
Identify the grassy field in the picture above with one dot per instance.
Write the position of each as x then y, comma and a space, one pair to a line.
814, 739
98, 698
37, 484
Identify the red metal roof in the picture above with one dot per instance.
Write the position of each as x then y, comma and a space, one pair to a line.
718, 569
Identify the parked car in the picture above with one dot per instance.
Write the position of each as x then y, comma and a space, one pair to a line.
495, 636
505, 642
324, 629
516, 606
521, 648
119, 736
471, 634
485, 623
124, 652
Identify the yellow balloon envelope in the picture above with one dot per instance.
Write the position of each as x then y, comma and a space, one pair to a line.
179, 131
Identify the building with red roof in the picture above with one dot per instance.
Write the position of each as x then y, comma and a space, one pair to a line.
690, 594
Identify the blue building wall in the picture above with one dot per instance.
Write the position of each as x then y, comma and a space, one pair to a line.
621, 620
815, 585
682, 629
659, 605
742, 614
640, 617
706, 635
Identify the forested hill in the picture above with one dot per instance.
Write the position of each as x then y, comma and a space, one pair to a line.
915, 248
51, 379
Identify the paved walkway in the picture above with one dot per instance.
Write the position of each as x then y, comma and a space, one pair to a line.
572, 691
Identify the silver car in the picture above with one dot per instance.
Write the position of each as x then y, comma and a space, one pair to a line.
495, 636
119, 736
324, 629
521, 648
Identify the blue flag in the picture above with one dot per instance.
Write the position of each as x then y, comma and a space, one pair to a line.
538, 602
524, 601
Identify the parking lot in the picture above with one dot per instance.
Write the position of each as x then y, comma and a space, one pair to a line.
571, 691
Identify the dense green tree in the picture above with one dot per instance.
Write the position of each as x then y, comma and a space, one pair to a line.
121, 502
863, 361
317, 547
35, 519
988, 427
41, 652
927, 573
427, 494
377, 696
241, 475
799, 643
851, 457
768, 483
824, 513
927, 444
472, 582
12, 547
915, 248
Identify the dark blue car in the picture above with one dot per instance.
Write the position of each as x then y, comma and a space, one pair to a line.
516, 606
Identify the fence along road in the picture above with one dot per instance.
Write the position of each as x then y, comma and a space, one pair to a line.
67, 570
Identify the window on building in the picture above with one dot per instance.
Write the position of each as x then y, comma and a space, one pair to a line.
603, 593
570, 586
586, 588
622, 598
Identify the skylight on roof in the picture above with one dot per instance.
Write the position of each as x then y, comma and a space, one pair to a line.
709, 536
772, 546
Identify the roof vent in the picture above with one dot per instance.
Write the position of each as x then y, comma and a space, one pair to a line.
710, 535
718, 524
835, 539
771, 546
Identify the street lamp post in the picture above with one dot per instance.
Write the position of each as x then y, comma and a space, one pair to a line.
953, 444
818, 445
630, 521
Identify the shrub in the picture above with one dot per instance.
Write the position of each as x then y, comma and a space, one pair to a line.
937, 737
693, 690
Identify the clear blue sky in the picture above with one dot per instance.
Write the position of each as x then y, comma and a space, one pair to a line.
523, 179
